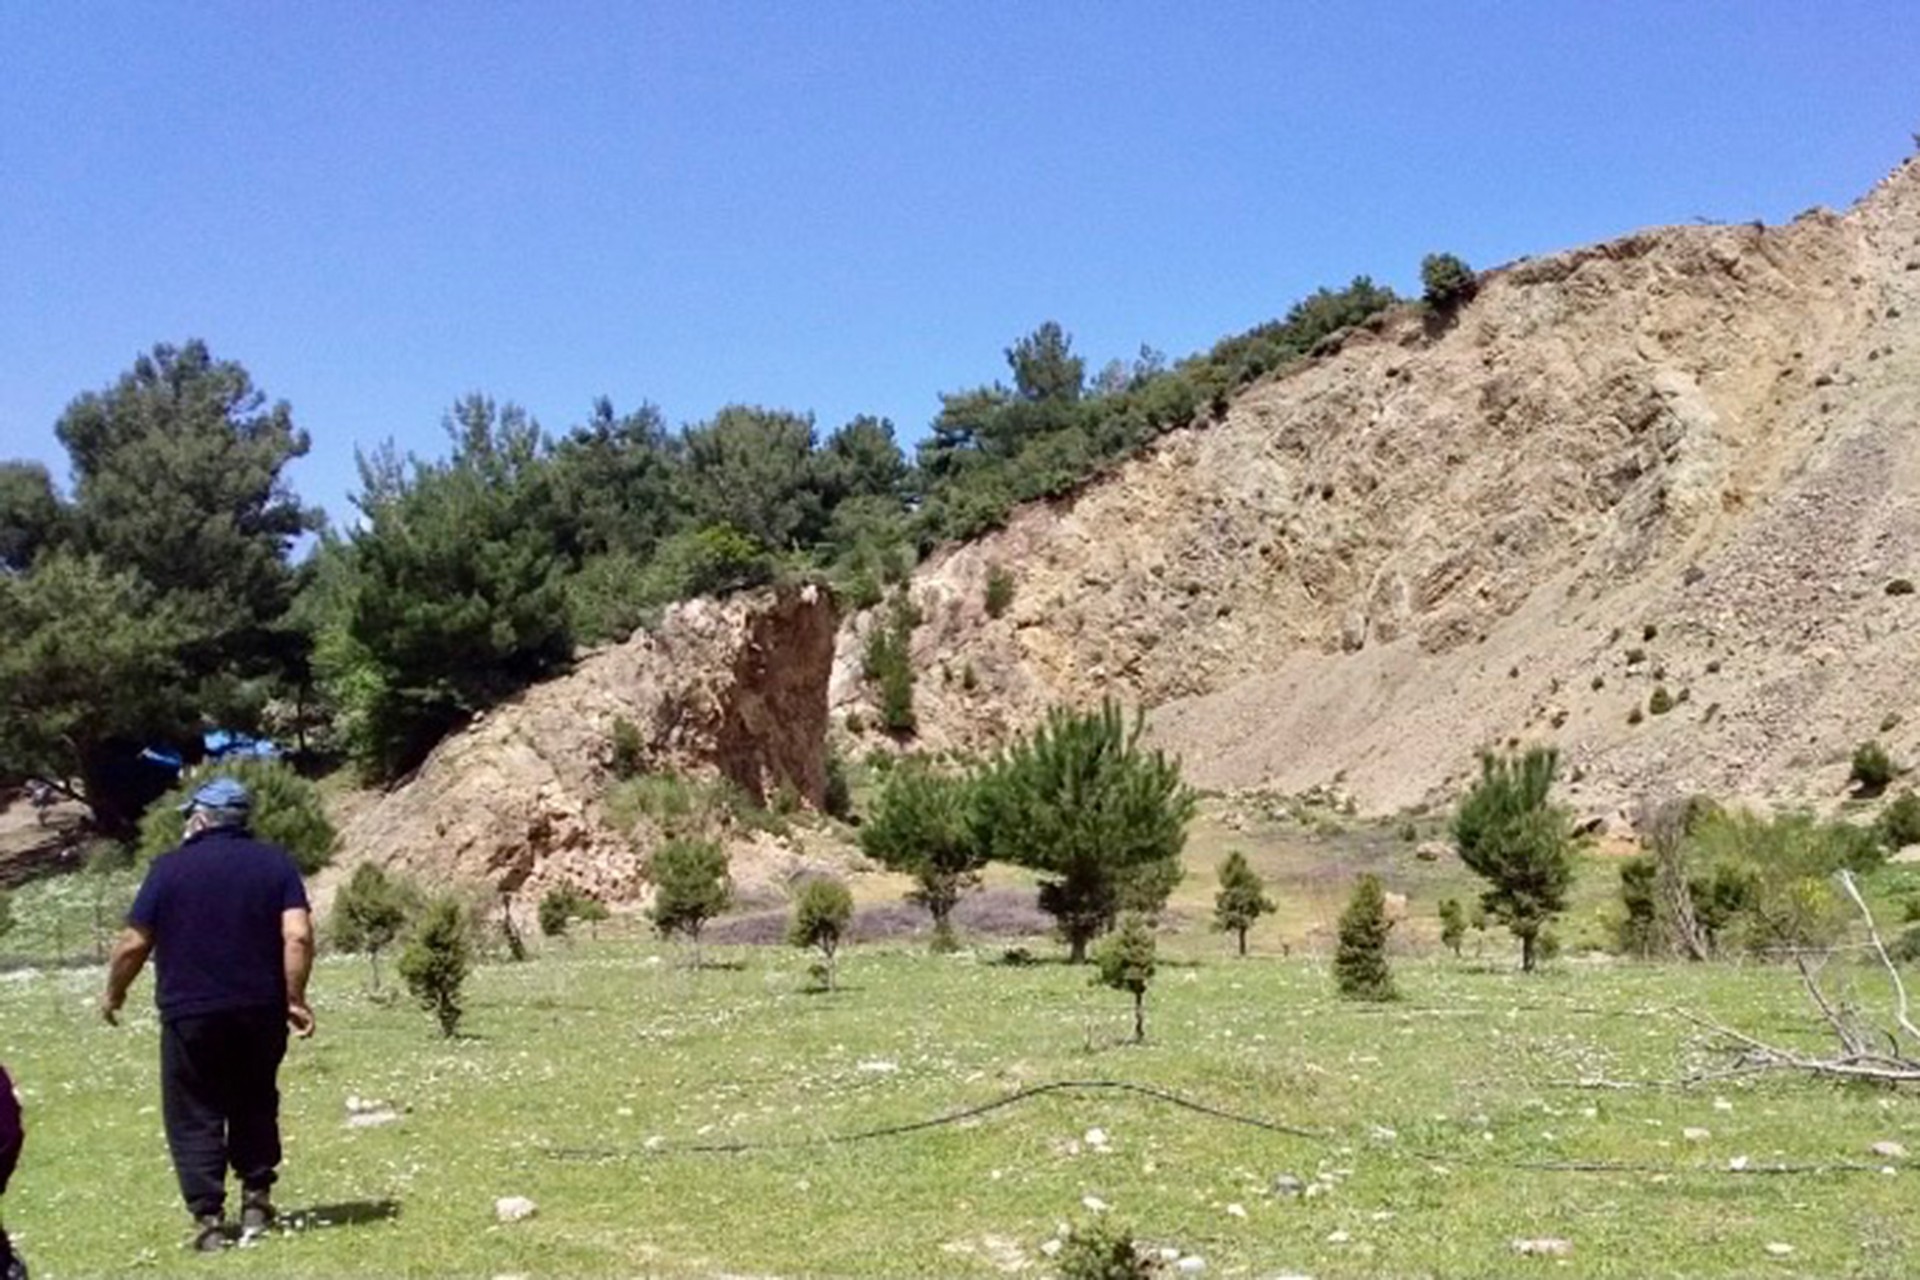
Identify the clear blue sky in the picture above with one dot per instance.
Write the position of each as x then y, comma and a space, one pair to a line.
839, 207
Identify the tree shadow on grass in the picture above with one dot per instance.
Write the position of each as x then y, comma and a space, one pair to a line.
351, 1213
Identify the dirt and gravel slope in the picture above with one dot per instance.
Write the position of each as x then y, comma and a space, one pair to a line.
517, 800
1686, 458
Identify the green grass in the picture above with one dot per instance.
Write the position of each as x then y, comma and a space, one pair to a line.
585, 1071
577, 1060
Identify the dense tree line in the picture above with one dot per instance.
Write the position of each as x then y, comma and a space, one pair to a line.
164, 595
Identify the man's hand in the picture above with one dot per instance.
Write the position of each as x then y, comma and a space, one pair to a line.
300, 1018
130, 953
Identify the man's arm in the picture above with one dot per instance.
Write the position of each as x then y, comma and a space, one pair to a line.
129, 956
296, 949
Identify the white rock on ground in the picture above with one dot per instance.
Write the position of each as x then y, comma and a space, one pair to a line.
1193, 1264
514, 1208
1779, 1250
1888, 1150
1544, 1247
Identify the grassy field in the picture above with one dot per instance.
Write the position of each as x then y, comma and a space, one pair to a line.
586, 1074
583, 1071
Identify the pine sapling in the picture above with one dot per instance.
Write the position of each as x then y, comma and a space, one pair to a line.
690, 887
1125, 962
1360, 961
436, 962
1242, 898
1453, 924
821, 916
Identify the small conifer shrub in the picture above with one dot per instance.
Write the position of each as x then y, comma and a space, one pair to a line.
1453, 924
821, 916
1899, 824
1446, 281
1872, 768
690, 887
437, 960
999, 591
1242, 898
1360, 961
1125, 961
629, 758
369, 913
1102, 1249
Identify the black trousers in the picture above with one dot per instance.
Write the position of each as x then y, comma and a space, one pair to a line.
220, 1099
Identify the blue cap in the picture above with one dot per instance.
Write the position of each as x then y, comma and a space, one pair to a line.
221, 793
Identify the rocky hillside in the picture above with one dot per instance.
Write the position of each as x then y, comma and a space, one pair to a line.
516, 801
1686, 460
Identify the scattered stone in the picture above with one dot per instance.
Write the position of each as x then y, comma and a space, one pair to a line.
1236, 1211
1169, 1254
1285, 1184
1432, 850
1380, 1133
1338, 1237
514, 1208
1193, 1264
1544, 1247
1096, 1137
1889, 1150
1052, 1247
1694, 1134
1094, 1204
1721, 1104
1738, 1164
1779, 1250
878, 1066
370, 1119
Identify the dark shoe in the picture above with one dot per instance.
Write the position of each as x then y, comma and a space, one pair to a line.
209, 1234
256, 1214
13, 1267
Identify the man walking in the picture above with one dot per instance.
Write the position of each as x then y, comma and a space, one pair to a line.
226, 918
12, 1134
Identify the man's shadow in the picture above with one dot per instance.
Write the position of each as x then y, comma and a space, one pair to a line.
352, 1213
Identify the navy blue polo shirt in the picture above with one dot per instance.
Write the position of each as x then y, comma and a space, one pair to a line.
213, 907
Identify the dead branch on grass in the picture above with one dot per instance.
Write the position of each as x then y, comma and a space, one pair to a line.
1862, 1055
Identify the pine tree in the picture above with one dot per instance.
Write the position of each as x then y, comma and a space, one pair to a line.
1100, 817
1242, 898
369, 913
922, 824
1521, 844
1125, 959
1360, 961
91, 660
1639, 929
437, 960
1453, 924
690, 887
820, 919
288, 810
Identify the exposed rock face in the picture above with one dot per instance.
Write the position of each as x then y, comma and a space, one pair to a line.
1697, 443
736, 687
